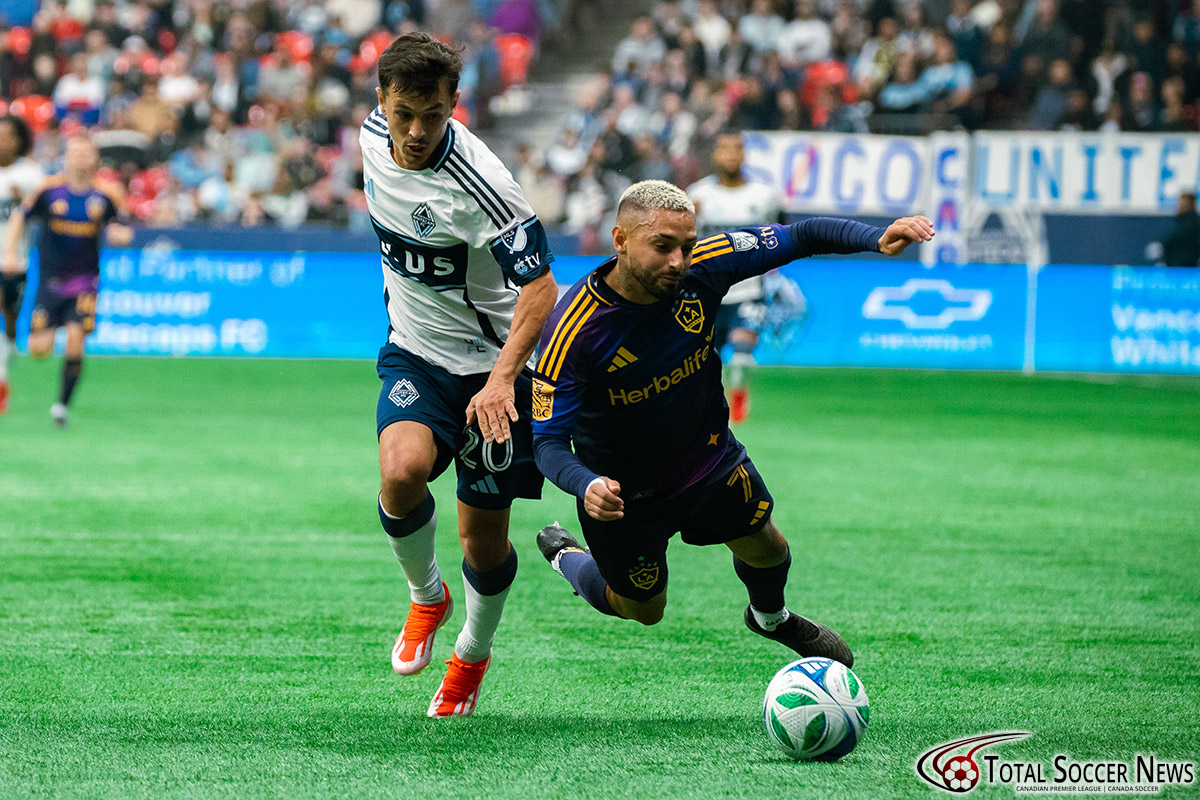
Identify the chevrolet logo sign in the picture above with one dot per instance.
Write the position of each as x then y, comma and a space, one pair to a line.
895, 302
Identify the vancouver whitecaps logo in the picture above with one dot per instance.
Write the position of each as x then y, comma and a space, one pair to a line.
948, 767
423, 220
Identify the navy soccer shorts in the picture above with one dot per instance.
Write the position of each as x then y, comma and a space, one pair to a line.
490, 476
631, 552
51, 310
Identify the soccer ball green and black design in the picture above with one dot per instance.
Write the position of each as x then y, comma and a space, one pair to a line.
816, 710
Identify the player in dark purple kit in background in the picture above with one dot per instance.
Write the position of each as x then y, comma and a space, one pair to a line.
75, 209
628, 374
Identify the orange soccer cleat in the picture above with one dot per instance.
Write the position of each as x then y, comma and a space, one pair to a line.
414, 646
459, 692
4, 392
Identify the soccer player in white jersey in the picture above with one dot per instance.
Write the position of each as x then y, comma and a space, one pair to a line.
19, 176
468, 287
726, 201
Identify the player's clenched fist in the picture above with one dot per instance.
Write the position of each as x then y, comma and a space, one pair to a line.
601, 501
903, 232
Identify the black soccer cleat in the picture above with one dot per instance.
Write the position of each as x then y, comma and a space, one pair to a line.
553, 540
806, 637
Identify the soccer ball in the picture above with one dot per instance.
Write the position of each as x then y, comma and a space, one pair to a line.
816, 710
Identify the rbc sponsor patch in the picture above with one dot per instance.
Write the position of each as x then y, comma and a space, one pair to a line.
543, 400
403, 394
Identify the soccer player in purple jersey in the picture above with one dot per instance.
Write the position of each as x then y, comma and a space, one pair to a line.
76, 210
628, 375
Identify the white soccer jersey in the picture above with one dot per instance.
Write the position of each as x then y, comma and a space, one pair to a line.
17, 181
724, 208
457, 241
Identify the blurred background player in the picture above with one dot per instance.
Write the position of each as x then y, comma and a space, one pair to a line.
467, 285
725, 201
630, 418
19, 177
75, 210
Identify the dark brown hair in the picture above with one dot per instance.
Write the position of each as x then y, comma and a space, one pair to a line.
417, 62
21, 129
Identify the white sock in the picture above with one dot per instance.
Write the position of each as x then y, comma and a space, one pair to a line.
483, 617
769, 622
417, 559
6, 348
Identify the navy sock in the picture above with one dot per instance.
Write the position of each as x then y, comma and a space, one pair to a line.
583, 574
765, 585
411, 522
495, 581
72, 369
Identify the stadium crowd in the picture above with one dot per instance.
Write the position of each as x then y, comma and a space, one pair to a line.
693, 68
248, 110
243, 110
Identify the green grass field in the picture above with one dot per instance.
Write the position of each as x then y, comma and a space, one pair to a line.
196, 599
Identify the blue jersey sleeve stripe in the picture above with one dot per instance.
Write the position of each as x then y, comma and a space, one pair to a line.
563, 323
565, 347
470, 190
487, 187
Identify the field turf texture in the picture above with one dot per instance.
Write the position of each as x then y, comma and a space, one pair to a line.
196, 599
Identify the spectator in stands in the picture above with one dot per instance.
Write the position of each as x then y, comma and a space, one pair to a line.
948, 81
712, 31
1141, 112
1050, 108
878, 57
1175, 116
807, 38
1181, 248
904, 94
762, 27
1047, 37
643, 46
79, 94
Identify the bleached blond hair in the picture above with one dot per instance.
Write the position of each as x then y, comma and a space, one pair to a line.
653, 195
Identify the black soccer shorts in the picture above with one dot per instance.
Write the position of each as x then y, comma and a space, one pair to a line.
632, 551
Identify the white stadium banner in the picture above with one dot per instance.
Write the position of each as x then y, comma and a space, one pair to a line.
1085, 173
1065, 173
831, 173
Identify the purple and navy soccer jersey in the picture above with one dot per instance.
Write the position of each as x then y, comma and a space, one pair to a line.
637, 388
69, 244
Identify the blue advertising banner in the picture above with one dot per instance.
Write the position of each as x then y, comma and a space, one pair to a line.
822, 312
892, 314
1118, 320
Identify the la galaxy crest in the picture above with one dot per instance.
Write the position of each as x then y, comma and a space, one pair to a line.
644, 575
423, 221
689, 313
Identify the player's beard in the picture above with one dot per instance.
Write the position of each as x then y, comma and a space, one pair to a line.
651, 281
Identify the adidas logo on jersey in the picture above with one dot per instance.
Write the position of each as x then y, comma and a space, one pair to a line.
623, 358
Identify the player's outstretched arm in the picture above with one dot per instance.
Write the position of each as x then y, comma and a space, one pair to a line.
903, 232
495, 405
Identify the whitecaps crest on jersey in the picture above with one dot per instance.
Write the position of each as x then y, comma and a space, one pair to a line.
423, 221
